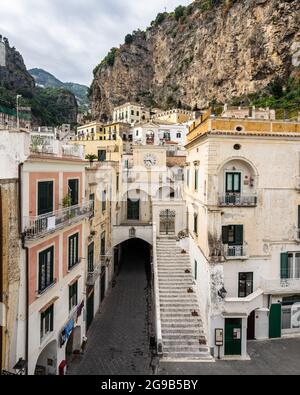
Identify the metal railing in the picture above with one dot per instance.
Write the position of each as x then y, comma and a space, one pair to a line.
235, 251
39, 226
238, 200
158, 329
92, 276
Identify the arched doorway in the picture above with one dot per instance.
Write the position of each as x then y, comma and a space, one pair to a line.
167, 222
251, 326
47, 361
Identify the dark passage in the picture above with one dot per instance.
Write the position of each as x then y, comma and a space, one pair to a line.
118, 341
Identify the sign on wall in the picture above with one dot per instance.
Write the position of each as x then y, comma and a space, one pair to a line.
2, 55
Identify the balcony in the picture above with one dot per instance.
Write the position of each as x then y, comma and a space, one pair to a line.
235, 252
93, 275
280, 285
41, 226
237, 200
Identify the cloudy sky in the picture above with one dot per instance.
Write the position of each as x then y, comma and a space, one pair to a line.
69, 37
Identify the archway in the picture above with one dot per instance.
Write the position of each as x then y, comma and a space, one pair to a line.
47, 361
135, 255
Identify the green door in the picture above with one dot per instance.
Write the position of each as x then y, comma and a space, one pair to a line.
275, 321
90, 310
233, 336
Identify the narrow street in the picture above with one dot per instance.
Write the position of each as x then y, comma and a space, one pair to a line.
118, 341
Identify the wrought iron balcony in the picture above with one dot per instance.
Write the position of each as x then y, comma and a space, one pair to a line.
93, 275
41, 226
237, 200
236, 252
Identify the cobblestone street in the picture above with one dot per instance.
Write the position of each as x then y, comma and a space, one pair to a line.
118, 340
272, 357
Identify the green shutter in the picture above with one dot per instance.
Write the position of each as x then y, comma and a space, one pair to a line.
239, 234
225, 234
284, 265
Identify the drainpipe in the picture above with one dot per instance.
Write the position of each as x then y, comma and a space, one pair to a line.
20, 212
1, 274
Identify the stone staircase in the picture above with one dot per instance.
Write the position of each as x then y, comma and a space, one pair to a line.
183, 334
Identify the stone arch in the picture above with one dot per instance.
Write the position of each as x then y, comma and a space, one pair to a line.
47, 361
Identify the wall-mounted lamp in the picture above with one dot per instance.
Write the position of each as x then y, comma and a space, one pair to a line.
222, 293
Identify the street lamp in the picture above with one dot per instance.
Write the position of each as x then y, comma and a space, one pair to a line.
18, 119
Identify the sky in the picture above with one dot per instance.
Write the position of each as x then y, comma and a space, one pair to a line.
68, 38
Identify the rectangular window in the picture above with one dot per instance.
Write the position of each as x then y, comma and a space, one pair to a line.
47, 321
73, 251
196, 179
178, 135
196, 224
290, 265
245, 284
91, 249
233, 182
103, 201
73, 296
46, 269
103, 244
101, 155
133, 209
233, 235
45, 197
118, 182
74, 191
92, 202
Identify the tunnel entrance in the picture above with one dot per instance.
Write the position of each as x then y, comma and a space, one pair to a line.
135, 255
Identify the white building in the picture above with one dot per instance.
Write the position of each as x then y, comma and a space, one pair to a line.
242, 191
131, 113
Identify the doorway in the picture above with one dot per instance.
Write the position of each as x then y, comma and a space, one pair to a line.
251, 326
233, 336
167, 222
90, 308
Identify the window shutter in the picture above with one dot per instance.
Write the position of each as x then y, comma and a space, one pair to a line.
225, 234
239, 234
298, 217
284, 265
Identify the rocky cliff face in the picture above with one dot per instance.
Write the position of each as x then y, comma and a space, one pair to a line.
211, 52
13, 72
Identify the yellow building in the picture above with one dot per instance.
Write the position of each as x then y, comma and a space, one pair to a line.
117, 129
175, 116
91, 130
238, 126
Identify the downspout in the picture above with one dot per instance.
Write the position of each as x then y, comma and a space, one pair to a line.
1, 274
26, 265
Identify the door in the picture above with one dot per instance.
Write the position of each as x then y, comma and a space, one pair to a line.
233, 336
275, 321
45, 197
133, 209
74, 192
91, 249
251, 326
103, 283
90, 309
167, 222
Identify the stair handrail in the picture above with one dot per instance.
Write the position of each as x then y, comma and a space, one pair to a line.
159, 343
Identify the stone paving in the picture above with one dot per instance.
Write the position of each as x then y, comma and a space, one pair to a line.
118, 341
274, 357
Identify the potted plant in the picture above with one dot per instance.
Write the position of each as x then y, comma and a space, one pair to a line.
190, 291
67, 202
91, 158
195, 313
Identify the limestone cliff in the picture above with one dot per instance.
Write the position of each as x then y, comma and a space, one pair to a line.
211, 50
